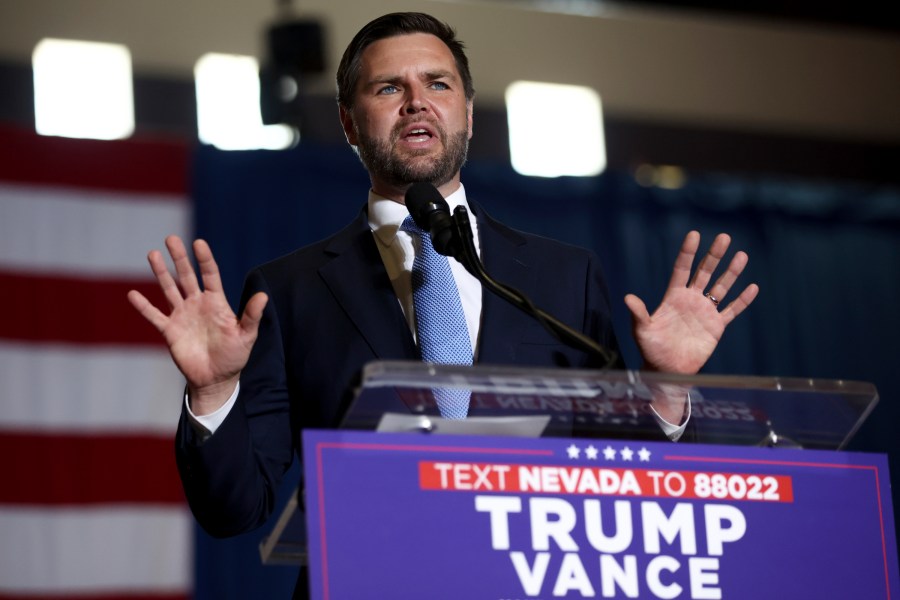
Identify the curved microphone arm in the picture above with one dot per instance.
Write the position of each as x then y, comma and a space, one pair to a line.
464, 252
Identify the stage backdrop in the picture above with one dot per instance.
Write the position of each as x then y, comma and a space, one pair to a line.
825, 254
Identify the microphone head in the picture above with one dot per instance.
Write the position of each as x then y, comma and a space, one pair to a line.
431, 213
422, 201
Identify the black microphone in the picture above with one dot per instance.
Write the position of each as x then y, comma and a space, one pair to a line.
432, 213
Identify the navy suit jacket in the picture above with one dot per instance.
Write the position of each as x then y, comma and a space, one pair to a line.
331, 310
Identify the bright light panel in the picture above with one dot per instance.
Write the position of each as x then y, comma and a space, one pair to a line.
82, 89
555, 129
228, 114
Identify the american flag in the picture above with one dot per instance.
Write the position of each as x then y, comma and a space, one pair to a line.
90, 503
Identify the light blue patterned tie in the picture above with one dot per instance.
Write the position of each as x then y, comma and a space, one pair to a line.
440, 322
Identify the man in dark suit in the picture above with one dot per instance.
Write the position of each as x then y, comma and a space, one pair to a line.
312, 319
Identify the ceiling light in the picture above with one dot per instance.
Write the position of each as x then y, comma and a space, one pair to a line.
555, 129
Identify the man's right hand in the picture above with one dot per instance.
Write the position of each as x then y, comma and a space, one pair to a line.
208, 343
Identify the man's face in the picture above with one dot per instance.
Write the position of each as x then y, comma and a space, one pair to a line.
410, 120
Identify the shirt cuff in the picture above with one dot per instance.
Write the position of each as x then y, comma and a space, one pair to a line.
672, 431
206, 425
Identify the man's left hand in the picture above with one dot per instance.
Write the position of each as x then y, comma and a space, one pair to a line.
683, 332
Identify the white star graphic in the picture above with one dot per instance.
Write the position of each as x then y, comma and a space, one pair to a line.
591, 453
573, 451
626, 453
609, 453
644, 455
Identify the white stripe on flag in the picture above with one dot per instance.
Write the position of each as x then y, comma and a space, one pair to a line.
101, 233
89, 389
95, 549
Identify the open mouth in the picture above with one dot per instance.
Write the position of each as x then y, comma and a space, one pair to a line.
417, 135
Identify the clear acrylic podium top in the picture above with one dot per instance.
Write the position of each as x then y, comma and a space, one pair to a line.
809, 413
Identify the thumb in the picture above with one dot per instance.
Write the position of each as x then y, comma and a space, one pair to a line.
253, 313
638, 309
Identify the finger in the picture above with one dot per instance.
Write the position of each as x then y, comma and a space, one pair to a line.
740, 303
147, 310
723, 284
209, 270
253, 312
710, 261
638, 309
187, 279
166, 282
681, 272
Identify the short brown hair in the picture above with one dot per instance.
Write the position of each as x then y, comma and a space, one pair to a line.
391, 25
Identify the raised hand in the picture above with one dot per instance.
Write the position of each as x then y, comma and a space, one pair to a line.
208, 343
683, 332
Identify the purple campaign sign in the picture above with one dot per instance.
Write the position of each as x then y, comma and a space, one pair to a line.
415, 516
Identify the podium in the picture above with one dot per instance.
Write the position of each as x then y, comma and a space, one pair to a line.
585, 454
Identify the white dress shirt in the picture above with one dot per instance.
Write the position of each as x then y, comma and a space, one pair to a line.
398, 252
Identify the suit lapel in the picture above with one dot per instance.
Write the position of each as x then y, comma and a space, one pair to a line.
502, 250
356, 277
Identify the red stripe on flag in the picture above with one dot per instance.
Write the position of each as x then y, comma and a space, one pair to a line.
64, 468
80, 310
122, 165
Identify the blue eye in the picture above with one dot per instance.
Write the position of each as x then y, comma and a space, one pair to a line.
440, 85
388, 89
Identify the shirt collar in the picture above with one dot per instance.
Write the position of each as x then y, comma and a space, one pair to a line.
386, 216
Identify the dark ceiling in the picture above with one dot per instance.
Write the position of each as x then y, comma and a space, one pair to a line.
866, 14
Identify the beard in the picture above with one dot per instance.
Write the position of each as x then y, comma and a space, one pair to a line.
384, 162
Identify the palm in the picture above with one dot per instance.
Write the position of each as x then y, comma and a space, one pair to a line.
207, 341
683, 332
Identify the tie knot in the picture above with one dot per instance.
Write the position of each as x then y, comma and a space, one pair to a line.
409, 226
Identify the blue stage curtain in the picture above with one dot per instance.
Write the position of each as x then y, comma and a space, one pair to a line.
825, 254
